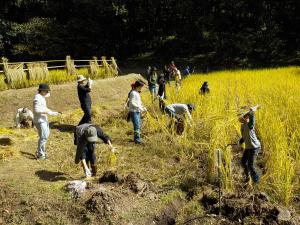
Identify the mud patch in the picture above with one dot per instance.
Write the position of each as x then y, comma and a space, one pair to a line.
244, 206
136, 184
168, 215
102, 202
110, 177
5, 141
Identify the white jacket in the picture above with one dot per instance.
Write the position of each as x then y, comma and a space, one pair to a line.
135, 102
20, 116
40, 109
181, 110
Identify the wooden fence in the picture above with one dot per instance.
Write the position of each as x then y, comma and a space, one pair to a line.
39, 70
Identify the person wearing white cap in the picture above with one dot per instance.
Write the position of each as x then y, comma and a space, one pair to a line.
83, 90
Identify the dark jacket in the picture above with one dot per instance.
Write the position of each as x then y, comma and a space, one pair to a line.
84, 95
162, 87
81, 141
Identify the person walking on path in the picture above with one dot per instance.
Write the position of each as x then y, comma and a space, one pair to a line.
40, 119
204, 88
152, 82
83, 90
135, 110
85, 138
24, 118
252, 144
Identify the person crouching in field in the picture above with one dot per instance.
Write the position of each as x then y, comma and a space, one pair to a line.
179, 111
135, 110
204, 88
41, 112
24, 118
83, 90
85, 137
252, 144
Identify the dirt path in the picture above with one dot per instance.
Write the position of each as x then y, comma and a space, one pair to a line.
64, 97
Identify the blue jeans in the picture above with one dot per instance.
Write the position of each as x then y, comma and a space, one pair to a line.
44, 132
136, 120
152, 89
248, 162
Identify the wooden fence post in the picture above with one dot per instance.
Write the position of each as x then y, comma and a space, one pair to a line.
5, 69
94, 67
70, 66
114, 66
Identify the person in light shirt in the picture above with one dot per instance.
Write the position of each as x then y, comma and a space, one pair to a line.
40, 120
135, 110
24, 118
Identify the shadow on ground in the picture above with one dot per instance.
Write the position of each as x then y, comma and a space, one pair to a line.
28, 155
51, 176
63, 127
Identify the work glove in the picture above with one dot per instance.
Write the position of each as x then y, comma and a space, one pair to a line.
53, 113
254, 108
90, 83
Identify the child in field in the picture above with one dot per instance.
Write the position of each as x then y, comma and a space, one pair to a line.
252, 144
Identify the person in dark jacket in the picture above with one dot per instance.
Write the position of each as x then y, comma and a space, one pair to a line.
204, 89
83, 90
167, 74
162, 92
85, 137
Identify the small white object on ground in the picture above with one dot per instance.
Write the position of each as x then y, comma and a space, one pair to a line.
76, 187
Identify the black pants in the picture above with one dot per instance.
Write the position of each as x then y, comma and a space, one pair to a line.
248, 163
87, 117
89, 154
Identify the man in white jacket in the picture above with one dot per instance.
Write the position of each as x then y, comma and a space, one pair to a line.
40, 120
135, 110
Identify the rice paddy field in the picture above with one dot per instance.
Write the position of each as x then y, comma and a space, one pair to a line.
215, 124
181, 170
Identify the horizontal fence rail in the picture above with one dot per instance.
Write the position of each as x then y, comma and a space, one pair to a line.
15, 72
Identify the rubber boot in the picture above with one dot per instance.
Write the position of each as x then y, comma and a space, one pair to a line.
94, 170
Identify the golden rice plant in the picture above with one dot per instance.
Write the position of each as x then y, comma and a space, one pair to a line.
215, 123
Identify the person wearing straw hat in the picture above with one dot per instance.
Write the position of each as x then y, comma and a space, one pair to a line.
252, 144
40, 118
85, 138
83, 90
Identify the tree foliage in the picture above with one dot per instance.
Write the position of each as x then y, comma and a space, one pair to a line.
224, 33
